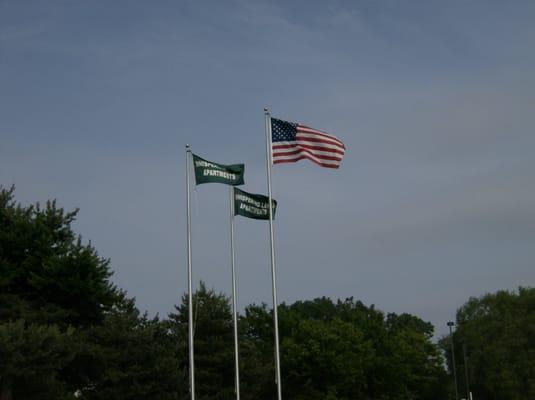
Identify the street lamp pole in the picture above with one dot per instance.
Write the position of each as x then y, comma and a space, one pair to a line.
450, 325
466, 373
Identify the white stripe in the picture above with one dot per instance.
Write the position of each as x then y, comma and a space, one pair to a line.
280, 152
294, 156
301, 135
296, 143
291, 143
322, 145
325, 162
313, 131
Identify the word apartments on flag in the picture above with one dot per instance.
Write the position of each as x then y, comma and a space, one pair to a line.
211, 172
254, 206
292, 142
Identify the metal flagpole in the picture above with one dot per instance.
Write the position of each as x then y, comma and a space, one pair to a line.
234, 302
273, 271
190, 296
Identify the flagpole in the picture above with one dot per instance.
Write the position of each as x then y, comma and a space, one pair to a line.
273, 271
190, 290
234, 302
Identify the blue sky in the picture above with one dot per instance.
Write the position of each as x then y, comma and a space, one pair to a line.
434, 201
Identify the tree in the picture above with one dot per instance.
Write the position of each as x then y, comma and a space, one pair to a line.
498, 332
418, 363
64, 327
31, 357
324, 355
345, 350
214, 351
46, 274
137, 355
50, 284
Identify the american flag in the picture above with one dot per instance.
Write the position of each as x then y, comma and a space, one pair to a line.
292, 142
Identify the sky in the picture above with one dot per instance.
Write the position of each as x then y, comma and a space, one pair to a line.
435, 101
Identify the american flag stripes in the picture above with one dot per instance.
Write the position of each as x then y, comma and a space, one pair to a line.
292, 142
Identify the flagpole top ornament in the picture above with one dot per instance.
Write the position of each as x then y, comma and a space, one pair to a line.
188, 147
266, 110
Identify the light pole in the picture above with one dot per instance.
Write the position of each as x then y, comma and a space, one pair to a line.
450, 325
466, 373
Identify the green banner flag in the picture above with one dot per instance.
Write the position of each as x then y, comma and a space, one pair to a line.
210, 172
252, 205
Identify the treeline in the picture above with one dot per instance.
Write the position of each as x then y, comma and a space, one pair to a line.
67, 332
495, 335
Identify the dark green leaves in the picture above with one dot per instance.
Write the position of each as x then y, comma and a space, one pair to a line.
498, 331
64, 327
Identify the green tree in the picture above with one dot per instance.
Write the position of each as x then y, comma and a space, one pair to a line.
417, 362
46, 274
50, 285
64, 327
257, 364
498, 332
31, 357
324, 356
136, 353
345, 350
214, 351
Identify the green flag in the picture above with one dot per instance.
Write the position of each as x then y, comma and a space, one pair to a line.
210, 172
252, 205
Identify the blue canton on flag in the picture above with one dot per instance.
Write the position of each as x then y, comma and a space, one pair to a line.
283, 131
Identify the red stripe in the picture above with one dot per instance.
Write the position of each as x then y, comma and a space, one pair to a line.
299, 151
284, 146
305, 146
306, 129
318, 140
308, 158
320, 148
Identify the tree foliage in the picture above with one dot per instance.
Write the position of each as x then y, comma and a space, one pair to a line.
64, 327
137, 353
46, 273
31, 358
498, 333
67, 332
345, 350
214, 351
